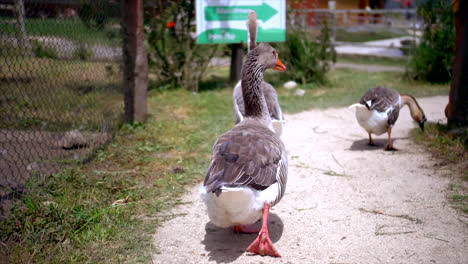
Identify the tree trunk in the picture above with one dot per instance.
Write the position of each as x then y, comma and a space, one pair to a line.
135, 61
457, 109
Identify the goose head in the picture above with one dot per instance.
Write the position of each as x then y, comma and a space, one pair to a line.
421, 121
418, 115
266, 57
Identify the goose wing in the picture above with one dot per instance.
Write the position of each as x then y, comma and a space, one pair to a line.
384, 100
250, 156
239, 109
271, 99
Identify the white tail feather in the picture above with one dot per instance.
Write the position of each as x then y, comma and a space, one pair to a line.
356, 106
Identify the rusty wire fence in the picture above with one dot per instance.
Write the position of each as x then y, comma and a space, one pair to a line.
60, 86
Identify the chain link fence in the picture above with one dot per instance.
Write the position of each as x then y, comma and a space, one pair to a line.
60, 86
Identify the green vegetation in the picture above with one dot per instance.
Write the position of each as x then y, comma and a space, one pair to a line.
367, 35
42, 51
308, 60
107, 210
173, 53
432, 59
76, 93
70, 29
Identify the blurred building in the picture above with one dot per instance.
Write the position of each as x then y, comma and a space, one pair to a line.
43, 8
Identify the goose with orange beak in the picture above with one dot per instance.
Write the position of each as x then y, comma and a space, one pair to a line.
249, 166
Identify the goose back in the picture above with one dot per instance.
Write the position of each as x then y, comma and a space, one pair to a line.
383, 100
250, 155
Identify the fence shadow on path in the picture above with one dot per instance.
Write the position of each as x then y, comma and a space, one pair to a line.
225, 246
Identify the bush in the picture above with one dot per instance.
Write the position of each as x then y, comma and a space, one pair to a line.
97, 14
173, 53
42, 51
432, 59
83, 52
307, 59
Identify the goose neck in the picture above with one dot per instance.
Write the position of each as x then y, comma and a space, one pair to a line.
412, 104
252, 90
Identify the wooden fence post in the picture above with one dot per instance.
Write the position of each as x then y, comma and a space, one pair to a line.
135, 61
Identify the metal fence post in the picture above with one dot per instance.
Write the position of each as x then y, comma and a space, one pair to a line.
20, 28
332, 7
135, 61
236, 62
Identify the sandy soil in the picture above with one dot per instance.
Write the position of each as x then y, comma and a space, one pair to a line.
345, 202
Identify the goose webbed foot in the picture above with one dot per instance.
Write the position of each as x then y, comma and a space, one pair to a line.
390, 147
263, 245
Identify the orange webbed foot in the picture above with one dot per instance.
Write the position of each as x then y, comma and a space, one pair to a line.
263, 246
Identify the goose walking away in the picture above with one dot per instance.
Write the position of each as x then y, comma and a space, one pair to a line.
248, 170
269, 92
378, 110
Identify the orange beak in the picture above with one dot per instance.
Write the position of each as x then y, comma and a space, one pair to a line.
279, 66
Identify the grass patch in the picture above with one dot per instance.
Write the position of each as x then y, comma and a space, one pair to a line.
448, 149
345, 87
370, 60
107, 210
71, 29
451, 152
366, 35
34, 89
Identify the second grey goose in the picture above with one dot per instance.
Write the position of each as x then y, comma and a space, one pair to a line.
268, 90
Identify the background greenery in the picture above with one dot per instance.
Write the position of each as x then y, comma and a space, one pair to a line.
432, 59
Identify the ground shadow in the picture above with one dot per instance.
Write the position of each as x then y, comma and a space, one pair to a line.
380, 144
225, 246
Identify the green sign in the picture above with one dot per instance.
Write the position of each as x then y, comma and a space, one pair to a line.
231, 13
218, 22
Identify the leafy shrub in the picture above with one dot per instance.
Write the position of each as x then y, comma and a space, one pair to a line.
42, 51
83, 52
97, 14
432, 59
173, 53
307, 59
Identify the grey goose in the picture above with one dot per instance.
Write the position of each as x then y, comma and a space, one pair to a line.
378, 110
248, 170
268, 90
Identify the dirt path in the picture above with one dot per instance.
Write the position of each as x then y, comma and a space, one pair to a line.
345, 202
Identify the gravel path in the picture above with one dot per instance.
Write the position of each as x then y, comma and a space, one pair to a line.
345, 202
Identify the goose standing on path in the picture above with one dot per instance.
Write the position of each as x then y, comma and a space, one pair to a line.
248, 170
269, 92
378, 110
